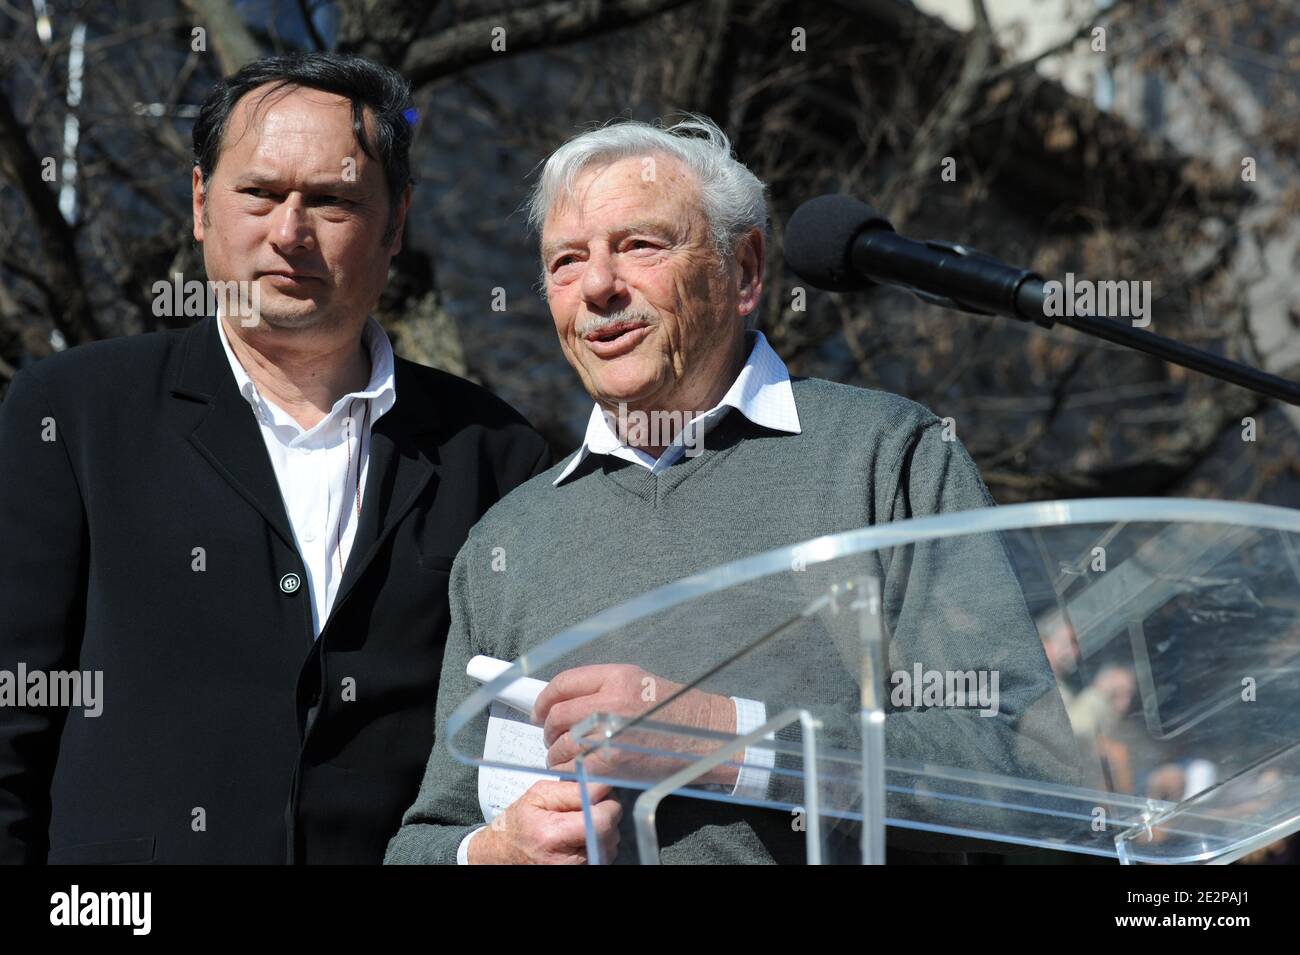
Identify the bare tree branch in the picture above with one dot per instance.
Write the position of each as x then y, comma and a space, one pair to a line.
231, 41
305, 11
549, 24
937, 134
1108, 15
382, 29
66, 291
1156, 471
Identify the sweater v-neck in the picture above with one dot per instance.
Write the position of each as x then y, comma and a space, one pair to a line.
653, 489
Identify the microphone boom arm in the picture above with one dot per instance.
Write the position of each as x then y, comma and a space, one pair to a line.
981, 285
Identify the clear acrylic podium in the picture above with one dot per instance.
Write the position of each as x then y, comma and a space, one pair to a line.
1114, 677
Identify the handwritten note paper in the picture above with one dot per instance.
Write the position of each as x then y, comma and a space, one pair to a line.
513, 740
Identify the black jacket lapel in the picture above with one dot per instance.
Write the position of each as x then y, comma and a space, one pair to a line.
399, 470
228, 435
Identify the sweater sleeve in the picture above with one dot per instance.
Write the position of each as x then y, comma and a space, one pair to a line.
446, 808
954, 604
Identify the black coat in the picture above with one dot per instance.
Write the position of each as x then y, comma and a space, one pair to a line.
227, 734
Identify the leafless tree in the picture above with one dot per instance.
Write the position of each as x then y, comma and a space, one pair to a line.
869, 97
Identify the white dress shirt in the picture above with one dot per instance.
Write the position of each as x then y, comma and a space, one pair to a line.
762, 393
320, 471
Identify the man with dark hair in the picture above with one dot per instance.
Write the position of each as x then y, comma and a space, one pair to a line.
242, 531
370, 88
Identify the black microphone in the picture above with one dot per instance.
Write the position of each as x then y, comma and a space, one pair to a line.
841, 244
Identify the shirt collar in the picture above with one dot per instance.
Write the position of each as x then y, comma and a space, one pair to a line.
761, 392
382, 387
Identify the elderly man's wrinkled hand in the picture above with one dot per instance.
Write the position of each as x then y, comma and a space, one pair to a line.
629, 691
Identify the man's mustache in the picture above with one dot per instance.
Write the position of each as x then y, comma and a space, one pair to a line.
598, 323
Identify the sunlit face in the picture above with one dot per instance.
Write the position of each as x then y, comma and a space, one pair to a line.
296, 206
646, 311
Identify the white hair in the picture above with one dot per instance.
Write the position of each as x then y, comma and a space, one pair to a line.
731, 195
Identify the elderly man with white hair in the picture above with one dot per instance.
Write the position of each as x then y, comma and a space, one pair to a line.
652, 244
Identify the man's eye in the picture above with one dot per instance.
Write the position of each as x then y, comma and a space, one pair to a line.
563, 261
256, 193
642, 244
328, 200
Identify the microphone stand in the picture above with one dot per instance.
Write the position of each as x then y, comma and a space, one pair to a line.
982, 285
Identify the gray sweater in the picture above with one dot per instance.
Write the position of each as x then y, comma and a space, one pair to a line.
613, 531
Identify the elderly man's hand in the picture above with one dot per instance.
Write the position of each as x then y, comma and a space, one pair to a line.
544, 826
629, 691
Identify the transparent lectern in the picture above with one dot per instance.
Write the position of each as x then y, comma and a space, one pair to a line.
1112, 677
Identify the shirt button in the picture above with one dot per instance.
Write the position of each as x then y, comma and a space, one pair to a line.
309, 537
290, 583
305, 450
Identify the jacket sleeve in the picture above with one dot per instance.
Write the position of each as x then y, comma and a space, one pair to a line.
545, 460
520, 454
446, 808
43, 572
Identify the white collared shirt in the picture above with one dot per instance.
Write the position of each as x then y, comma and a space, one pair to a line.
318, 470
762, 393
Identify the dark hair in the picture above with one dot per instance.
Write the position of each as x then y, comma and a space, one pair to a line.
364, 82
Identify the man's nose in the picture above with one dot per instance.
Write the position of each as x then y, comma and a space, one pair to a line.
602, 287
291, 230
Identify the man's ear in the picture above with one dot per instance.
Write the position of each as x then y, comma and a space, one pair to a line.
750, 262
198, 197
402, 210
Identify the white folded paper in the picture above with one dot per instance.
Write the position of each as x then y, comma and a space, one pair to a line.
511, 738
